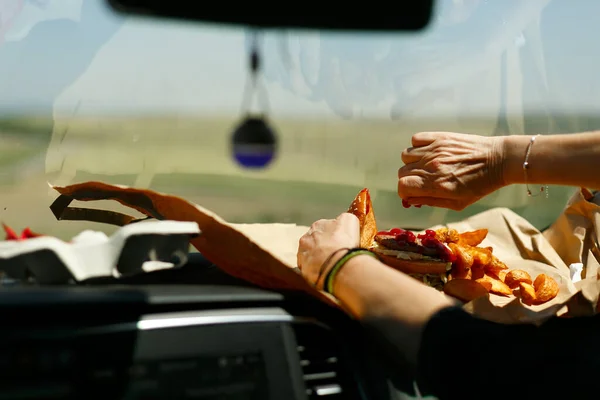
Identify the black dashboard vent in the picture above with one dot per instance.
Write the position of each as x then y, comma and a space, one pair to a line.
326, 376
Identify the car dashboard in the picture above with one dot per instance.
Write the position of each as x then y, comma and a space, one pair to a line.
167, 335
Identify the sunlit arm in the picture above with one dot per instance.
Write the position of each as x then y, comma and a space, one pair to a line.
458, 356
395, 304
568, 159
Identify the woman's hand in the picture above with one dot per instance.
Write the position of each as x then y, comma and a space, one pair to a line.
322, 245
379, 296
450, 170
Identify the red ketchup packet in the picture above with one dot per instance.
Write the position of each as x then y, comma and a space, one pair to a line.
12, 235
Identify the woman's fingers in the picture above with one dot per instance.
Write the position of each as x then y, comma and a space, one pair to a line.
348, 219
420, 147
414, 186
450, 170
451, 204
407, 170
424, 138
413, 154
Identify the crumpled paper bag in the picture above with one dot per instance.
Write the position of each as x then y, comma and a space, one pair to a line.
265, 254
574, 236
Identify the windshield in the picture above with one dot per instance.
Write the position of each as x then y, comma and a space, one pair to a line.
91, 95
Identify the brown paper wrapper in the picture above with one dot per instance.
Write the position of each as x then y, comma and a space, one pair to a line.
265, 254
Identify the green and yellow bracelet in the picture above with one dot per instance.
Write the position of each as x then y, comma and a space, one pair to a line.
328, 283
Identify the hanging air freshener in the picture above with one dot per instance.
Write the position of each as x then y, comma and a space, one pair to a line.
254, 143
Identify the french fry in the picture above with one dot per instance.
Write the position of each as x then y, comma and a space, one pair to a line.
446, 235
496, 268
470, 256
465, 289
496, 264
527, 293
481, 256
486, 284
545, 287
459, 273
516, 276
477, 272
502, 275
497, 286
496, 272
464, 259
473, 238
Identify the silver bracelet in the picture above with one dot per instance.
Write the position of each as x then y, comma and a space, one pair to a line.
526, 167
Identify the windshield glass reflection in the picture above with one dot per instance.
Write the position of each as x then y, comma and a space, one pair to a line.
89, 95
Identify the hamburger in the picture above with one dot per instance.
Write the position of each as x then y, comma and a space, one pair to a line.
422, 256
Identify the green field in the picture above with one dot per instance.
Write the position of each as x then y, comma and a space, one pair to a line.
321, 166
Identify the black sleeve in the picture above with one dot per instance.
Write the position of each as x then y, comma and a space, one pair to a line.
464, 357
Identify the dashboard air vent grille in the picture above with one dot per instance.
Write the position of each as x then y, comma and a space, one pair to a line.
325, 375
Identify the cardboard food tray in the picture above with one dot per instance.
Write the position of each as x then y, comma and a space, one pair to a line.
50, 260
265, 254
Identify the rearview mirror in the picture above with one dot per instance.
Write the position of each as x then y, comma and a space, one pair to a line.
407, 15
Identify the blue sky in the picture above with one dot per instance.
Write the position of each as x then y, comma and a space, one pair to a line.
173, 67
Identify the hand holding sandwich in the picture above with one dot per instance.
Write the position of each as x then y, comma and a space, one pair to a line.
394, 303
323, 245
